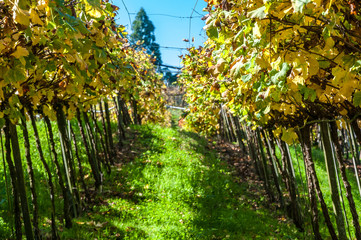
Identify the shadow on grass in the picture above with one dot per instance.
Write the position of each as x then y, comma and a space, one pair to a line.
223, 210
120, 196
219, 207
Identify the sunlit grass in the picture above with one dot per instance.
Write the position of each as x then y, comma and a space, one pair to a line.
175, 189
178, 189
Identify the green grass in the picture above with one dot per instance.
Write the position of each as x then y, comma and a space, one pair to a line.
177, 189
321, 171
42, 188
176, 115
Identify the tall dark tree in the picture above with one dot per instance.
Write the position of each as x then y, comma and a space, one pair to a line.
143, 31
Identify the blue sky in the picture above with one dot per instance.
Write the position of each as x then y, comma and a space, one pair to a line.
169, 31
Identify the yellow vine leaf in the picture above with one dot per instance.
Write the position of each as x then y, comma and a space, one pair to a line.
20, 52
71, 111
339, 75
86, 107
294, 82
344, 112
94, 10
36, 99
2, 46
262, 62
21, 16
282, 10
113, 40
50, 95
99, 41
317, 2
347, 88
289, 109
2, 84
95, 13
35, 17
298, 97
48, 111
16, 36
313, 65
42, 4
276, 63
277, 131
329, 44
289, 135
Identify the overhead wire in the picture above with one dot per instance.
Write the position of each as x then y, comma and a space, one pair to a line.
167, 15
126, 9
174, 48
200, 14
173, 16
190, 24
169, 66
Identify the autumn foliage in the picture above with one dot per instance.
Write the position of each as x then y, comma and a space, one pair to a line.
281, 63
281, 67
72, 54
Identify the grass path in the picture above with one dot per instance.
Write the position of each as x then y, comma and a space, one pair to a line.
176, 188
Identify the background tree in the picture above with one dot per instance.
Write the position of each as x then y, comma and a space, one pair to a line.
143, 30
169, 77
